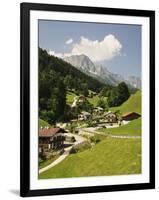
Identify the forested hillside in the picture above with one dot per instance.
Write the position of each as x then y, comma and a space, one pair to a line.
72, 77
55, 78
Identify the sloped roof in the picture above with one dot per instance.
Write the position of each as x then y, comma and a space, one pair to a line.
99, 108
49, 132
130, 113
85, 113
108, 113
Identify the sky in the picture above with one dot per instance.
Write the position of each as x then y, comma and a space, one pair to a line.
116, 46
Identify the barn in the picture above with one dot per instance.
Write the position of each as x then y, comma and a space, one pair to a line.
130, 116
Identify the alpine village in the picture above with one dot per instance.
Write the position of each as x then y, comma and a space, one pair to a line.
88, 125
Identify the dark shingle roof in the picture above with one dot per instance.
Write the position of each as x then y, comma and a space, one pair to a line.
130, 113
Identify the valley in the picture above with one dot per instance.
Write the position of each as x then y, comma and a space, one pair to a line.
74, 104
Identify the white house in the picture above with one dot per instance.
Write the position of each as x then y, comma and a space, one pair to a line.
84, 116
98, 110
110, 117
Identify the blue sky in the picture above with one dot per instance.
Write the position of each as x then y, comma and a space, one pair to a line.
116, 46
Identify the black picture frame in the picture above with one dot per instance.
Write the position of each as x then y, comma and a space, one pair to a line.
25, 9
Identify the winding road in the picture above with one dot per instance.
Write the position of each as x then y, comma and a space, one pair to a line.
124, 136
79, 139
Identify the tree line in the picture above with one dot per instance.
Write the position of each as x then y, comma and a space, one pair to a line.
116, 95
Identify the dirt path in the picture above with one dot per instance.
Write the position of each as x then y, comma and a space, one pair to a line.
74, 102
57, 161
124, 136
93, 131
79, 139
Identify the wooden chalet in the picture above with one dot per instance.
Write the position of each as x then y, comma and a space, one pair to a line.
130, 116
81, 99
110, 117
84, 116
98, 110
51, 139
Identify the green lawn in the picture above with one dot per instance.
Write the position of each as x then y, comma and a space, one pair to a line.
94, 100
133, 104
132, 129
70, 97
108, 157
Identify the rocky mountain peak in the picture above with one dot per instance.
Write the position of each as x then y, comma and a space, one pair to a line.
84, 63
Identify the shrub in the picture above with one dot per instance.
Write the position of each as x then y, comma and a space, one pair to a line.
97, 138
40, 161
94, 140
80, 147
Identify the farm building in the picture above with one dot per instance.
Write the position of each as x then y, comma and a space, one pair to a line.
81, 99
84, 116
50, 139
91, 93
110, 117
130, 116
98, 110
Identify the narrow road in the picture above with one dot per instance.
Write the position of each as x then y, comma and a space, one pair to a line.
57, 161
124, 136
74, 102
79, 139
92, 131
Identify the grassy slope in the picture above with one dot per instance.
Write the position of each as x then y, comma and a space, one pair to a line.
47, 162
132, 104
70, 97
43, 123
109, 157
93, 100
132, 129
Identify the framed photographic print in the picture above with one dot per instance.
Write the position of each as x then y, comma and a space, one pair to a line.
87, 99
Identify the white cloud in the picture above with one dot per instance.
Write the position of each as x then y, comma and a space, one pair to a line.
55, 54
69, 41
105, 49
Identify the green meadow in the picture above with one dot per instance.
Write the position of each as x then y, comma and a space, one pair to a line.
70, 97
109, 157
133, 128
133, 104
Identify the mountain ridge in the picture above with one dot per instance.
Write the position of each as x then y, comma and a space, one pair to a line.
98, 71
